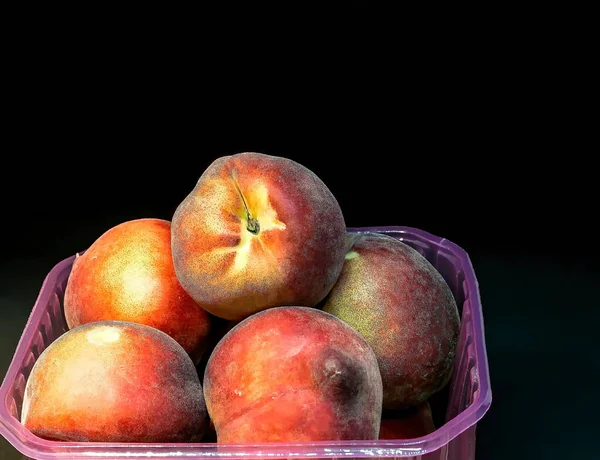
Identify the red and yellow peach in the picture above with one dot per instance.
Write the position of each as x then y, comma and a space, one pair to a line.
293, 374
257, 231
127, 274
113, 381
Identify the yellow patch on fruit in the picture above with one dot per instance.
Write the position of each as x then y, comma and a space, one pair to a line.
103, 335
243, 250
255, 205
351, 255
138, 285
260, 208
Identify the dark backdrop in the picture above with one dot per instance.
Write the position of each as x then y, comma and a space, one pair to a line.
466, 131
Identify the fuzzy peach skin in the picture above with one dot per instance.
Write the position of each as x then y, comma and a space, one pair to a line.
416, 422
257, 231
403, 307
127, 274
113, 381
293, 374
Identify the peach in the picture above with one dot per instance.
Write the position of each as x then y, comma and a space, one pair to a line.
293, 374
414, 423
403, 307
127, 274
114, 381
257, 231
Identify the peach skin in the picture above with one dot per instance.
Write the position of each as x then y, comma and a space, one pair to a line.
113, 381
403, 307
293, 374
127, 274
257, 231
413, 423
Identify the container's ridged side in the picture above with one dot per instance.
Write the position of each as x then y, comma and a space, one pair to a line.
58, 323
46, 326
12, 408
465, 341
49, 328
27, 365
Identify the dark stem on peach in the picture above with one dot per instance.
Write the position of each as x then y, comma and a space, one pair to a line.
252, 226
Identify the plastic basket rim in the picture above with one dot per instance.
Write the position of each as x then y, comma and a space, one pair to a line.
14, 432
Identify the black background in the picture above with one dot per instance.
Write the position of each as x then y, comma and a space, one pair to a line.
467, 127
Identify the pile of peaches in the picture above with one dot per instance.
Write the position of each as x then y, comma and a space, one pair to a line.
252, 316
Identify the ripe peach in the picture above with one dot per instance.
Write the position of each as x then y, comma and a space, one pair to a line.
293, 374
414, 423
115, 381
257, 231
127, 274
403, 307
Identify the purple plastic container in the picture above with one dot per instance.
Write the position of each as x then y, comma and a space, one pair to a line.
469, 398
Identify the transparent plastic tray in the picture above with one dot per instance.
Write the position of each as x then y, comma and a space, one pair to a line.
468, 395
